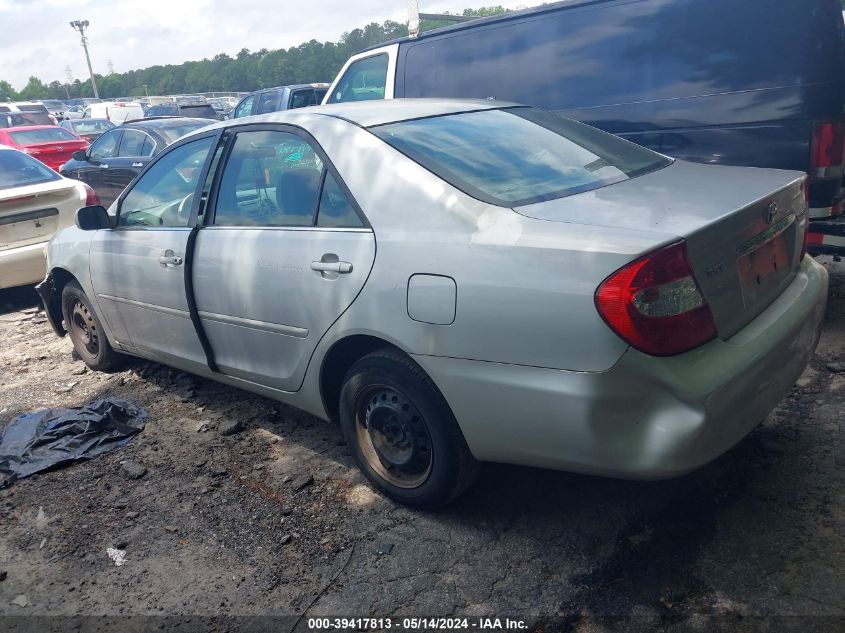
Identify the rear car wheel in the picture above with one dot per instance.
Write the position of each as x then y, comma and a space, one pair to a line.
402, 433
86, 332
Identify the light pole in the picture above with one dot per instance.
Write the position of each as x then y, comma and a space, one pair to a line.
81, 25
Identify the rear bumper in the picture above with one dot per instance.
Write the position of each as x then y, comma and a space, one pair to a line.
23, 265
647, 417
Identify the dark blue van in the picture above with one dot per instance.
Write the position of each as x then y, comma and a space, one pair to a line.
734, 82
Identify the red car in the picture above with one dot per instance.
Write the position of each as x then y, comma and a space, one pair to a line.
50, 144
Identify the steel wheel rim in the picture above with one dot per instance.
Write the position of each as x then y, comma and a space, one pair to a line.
84, 328
393, 436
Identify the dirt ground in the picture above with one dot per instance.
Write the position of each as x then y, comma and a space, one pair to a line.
276, 521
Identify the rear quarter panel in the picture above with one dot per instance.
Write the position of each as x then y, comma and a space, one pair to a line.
524, 286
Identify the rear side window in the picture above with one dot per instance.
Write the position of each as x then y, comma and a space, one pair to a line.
133, 143
303, 98
245, 107
364, 80
518, 156
18, 169
271, 179
46, 135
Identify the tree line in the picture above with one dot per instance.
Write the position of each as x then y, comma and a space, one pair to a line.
247, 71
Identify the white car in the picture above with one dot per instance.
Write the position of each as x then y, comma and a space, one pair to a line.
118, 112
35, 202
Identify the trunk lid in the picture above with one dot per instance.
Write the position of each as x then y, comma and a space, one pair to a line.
55, 153
743, 228
29, 215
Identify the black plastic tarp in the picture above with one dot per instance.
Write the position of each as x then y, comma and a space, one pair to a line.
33, 442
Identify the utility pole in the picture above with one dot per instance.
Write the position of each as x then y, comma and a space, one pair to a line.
81, 25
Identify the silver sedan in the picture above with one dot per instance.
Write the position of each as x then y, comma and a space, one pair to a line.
456, 282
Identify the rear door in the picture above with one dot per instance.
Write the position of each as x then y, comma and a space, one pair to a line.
138, 267
282, 255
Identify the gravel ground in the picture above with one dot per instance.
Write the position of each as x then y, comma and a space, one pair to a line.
275, 520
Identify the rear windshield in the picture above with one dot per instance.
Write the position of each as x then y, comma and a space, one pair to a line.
172, 132
18, 169
204, 111
54, 105
46, 135
32, 107
20, 119
89, 126
517, 156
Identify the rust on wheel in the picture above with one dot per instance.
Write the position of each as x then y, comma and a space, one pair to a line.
83, 328
393, 436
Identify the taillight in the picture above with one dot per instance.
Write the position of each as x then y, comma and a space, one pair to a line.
91, 197
828, 145
654, 303
804, 216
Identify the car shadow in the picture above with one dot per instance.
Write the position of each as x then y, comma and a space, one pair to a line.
18, 298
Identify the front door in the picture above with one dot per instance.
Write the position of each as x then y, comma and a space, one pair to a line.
92, 171
133, 154
283, 253
138, 267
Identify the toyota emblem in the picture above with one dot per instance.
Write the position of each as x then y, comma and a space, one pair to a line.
771, 212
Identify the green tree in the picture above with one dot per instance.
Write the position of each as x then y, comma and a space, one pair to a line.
246, 71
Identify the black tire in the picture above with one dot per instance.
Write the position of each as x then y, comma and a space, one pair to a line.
402, 432
86, 331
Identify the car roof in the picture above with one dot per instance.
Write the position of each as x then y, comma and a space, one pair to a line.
376, 112
159, 122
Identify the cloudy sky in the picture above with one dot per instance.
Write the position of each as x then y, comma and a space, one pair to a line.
36, 38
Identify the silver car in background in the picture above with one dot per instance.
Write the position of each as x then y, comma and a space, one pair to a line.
455, 282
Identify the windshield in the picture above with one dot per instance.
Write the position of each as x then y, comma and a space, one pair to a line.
518, 156
18, 170
54, 105
45, 135
173, 132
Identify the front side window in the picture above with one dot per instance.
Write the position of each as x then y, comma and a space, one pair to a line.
163, 196
105, 146
517, 156
364, 80
272, 178
245, 107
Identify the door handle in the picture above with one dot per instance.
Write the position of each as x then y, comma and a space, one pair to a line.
137, 164
102, 166
332, 267
169, 258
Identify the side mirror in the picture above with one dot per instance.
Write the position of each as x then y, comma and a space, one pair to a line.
80, 155
93, 218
